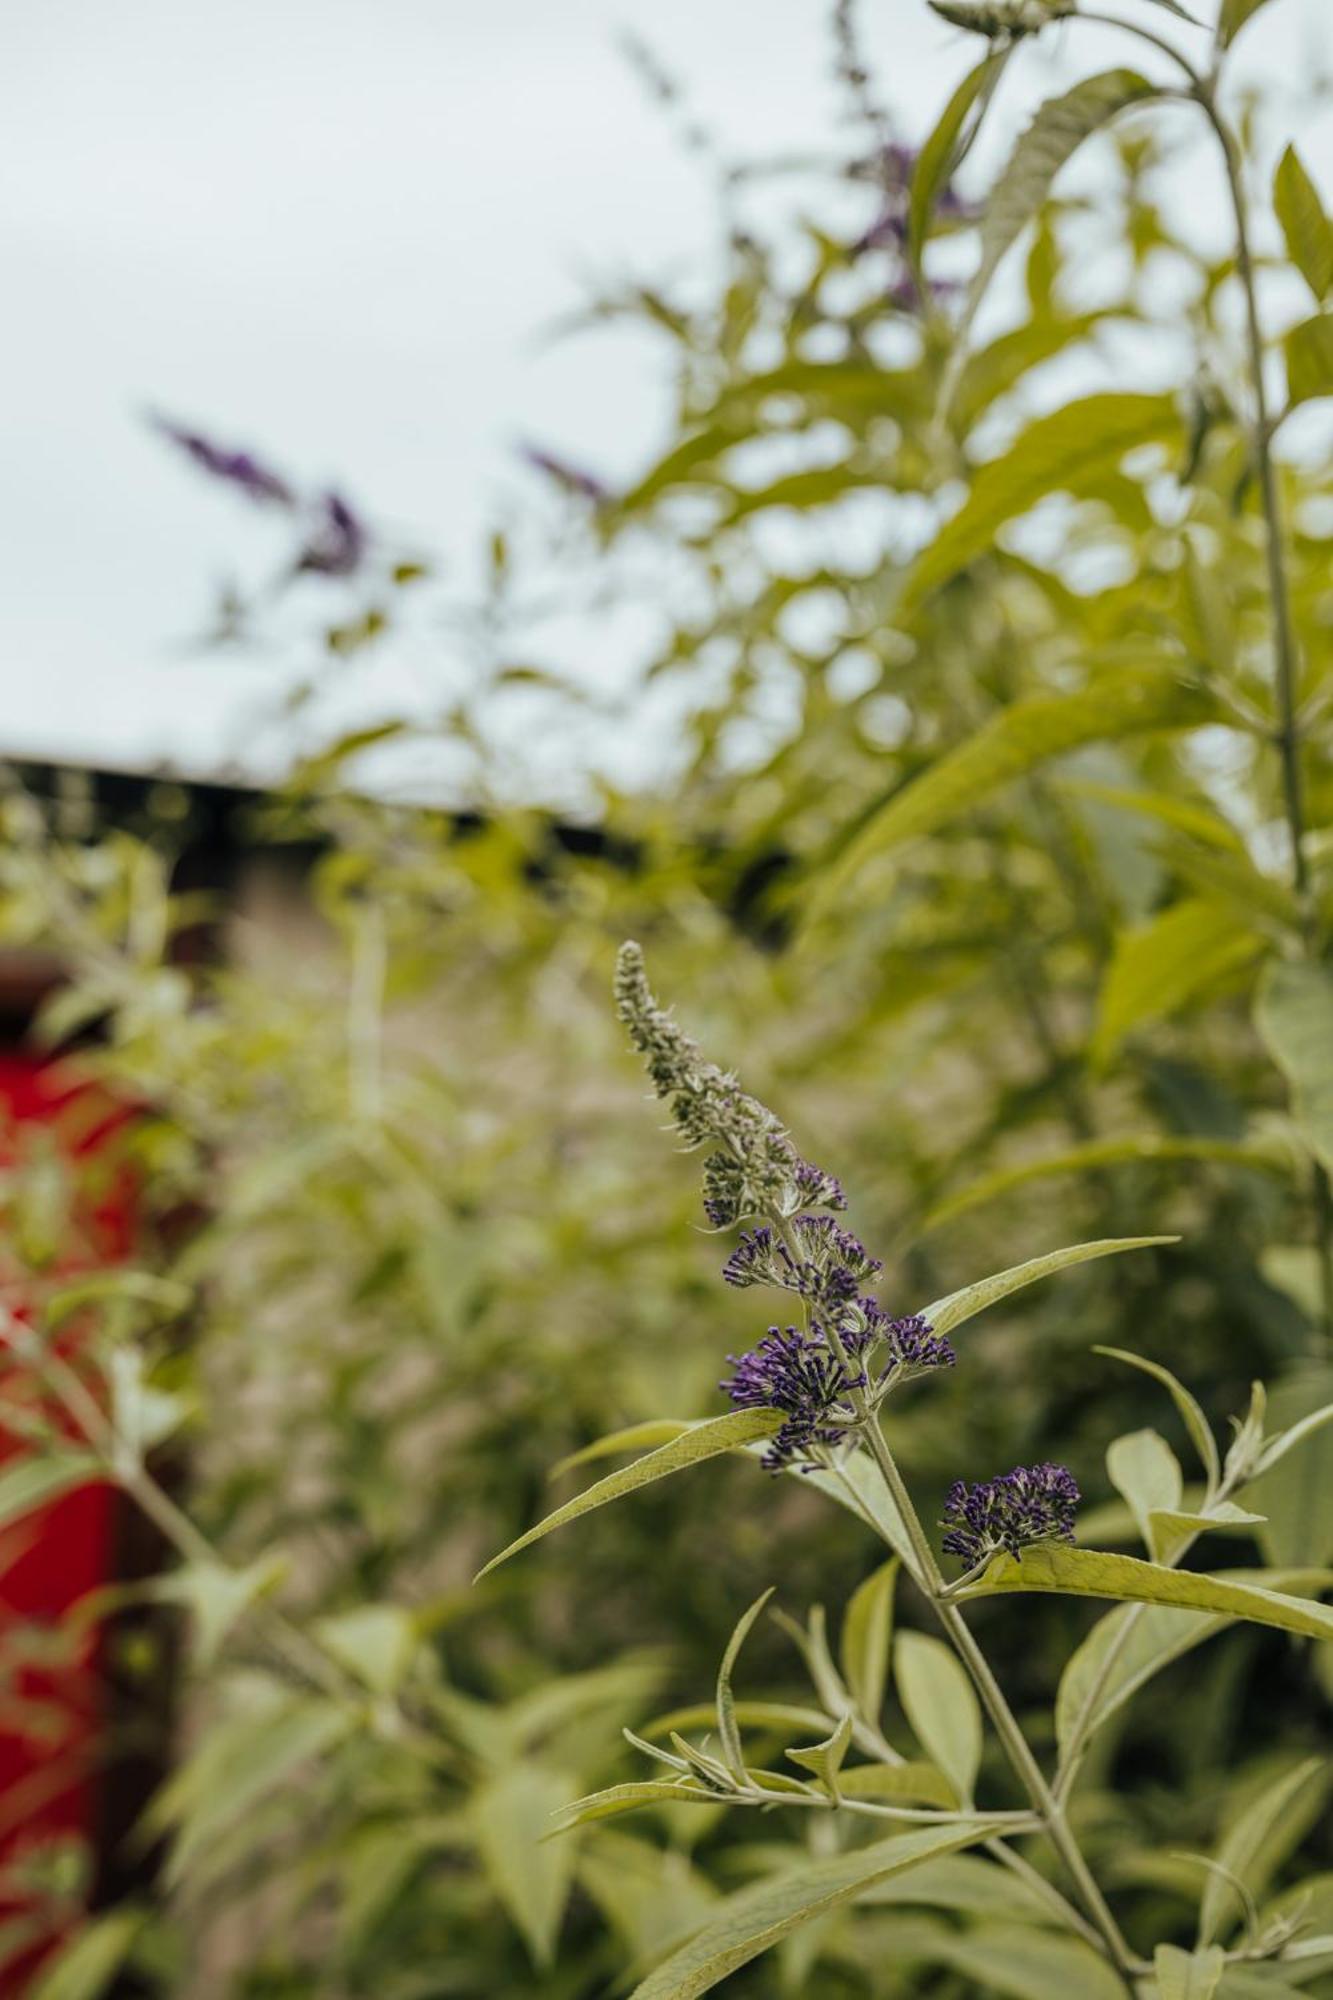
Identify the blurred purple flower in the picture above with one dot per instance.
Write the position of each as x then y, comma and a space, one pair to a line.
572, 477
339, 541
237, 468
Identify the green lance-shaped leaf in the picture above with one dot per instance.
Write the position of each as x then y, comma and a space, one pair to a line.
867, 1628
217, 1595
634, 1437
1234, 15
1196, 1423
1130, 1149
1168, 1527
1054, 136
1071, 1572
727, 1727
1187, 1975
944, 149
761, 1916
31, 1482
1306, 227
912, 1784
511, 1817
1243, 1855
781, 1718
1144, 1469
1016, 740
939, 1703
1309, 351
825, 1758
1296, 1491
1294, 1015
617, 1799
704, 1441
947, 1313
1179, 955
1132, 1643
1288, 1440
86, 1964
376, 1643
1068, 451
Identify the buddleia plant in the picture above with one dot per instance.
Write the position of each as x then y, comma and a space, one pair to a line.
808, 1402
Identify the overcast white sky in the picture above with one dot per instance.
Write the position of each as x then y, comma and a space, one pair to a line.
331, 231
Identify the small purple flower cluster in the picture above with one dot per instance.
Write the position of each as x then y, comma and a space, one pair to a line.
893, 168
235, 468
337, 539
1033, 1503
825, 1265
799, 1375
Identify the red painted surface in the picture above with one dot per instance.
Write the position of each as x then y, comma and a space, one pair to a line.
51, 1558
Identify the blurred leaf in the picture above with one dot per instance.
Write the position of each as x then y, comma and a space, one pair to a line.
1073, 1572
1297, 1493
512, 1813
783, 1717
761, 1916
217, 1596
1294, 1014
1182, 953
939, 1703
1306, 227
1030, 1965
32, 1481
1016, 740
705, 1440
1067, 451
727, 1729
1241, 1853
1309, 351
1134, 1148
1054, 136
867, 1627
1187, 1975
376, 1643
947, 1313
1234, 15
940, 155
85, 1966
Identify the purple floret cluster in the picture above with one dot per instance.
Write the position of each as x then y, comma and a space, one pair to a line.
1033, 1503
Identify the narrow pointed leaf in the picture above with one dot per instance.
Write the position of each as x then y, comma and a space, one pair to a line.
939, 156
635, 1437
1196, 1423
825, 1759
1309, 352
866, 1632
1297, 1435
617, 1799
1234, 15
86, 1965
781, 1717
511, 1815
1241, 1853
1305, 225
704, 1441
1070, 1572
939, 1702
947, 1313
1132, 1149
1156, 968
727, 1727
761, 1916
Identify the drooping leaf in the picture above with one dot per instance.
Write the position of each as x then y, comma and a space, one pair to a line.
1129, 1645
1306, 227
1240, 1855
85, 1966
947, 1313
1068, 451
1156, 968
512, 1814
941, 1706
761, 1916
1073, 1572
1196, 1423
1187, 1975
727, 1728
940, 154
867, 1629
1309, 351
1018, 739
1057, 131
704, 1441
31, 1481
1144, 1469
1294, 1014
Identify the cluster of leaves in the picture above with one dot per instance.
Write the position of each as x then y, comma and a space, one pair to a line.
983, 846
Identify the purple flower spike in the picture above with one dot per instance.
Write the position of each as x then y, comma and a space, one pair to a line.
795, 1373
339, 541
572, 477
1033, 1503
237, 468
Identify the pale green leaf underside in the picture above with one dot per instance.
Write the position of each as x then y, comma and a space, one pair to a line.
1294, 1014
1073, 1572
1187, 1975
941, 1707
762, 1915
703, 1441
1158, 967
946, 1313
1305, 226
